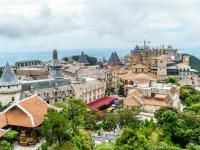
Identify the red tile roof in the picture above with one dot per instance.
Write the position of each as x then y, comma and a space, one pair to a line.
101, 102
3, 120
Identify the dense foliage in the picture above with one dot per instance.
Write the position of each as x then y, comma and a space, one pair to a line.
189, 95
171, 80
174, 130
110, 90
194, 62
121, 91
62, 130
7, 142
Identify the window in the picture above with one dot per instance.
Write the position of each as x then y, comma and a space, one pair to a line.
13, 99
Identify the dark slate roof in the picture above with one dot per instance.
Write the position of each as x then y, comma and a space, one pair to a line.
116, 56
83, 59
8, 77
114, 59
55, 72
136, 50
43, 84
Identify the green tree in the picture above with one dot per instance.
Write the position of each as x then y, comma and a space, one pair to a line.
76, 110
121, 91
91, 119
110, 121
56, 127
127, 117
4, 145
110, 90
11, 135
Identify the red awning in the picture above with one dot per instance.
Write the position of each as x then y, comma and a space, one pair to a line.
101, 102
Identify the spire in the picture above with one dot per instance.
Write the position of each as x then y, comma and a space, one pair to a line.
55, 55
83, 59
8, 77
113, 60
136, 50
116, 56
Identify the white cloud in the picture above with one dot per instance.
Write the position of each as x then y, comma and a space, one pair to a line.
70, 24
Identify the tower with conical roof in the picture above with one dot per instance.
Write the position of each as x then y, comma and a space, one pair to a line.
55, 67
136, 56
83, 59
114, 59
10, 86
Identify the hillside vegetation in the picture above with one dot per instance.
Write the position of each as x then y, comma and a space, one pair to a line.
195, 62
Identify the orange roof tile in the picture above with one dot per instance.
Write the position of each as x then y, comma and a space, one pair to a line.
29, 112
3, 120
154, 102
135, 92
139, 76
17, 117
132, 102
37, 108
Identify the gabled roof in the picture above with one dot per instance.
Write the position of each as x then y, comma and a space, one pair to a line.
83, 59
8, 77
29, 112
132, 102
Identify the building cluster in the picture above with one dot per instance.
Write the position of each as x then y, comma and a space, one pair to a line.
55, 87
163, 62
32, 86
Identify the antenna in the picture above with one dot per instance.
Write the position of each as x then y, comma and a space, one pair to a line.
145, 42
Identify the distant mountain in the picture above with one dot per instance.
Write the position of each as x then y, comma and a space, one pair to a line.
195, 63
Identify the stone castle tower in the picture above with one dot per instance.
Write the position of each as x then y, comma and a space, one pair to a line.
136, 56
186, 59
55, 67
10, 87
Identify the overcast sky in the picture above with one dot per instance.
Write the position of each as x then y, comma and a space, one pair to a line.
39, 25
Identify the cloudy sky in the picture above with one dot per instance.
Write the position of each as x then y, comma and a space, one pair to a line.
39, 25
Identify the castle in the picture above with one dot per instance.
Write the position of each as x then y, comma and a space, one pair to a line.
56, 88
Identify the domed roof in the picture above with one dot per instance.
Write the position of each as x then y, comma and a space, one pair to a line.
8, 77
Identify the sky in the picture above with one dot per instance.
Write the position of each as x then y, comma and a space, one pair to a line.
40, 25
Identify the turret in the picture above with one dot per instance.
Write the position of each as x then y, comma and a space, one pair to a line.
55, 68
10, 86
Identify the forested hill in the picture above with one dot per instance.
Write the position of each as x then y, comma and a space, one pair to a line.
195, 63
